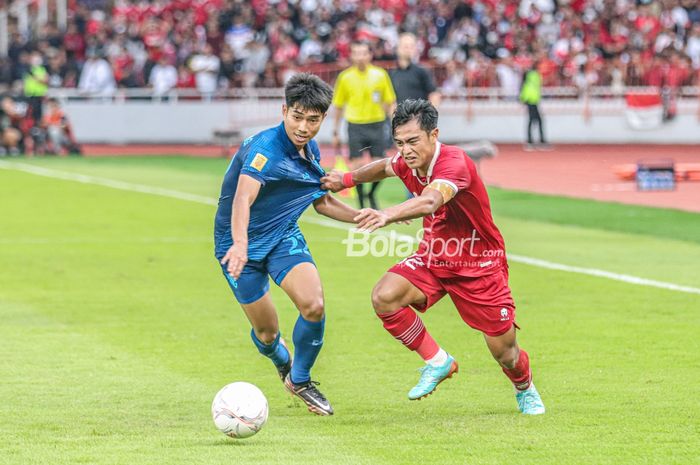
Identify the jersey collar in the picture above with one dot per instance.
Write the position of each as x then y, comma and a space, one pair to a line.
430, 168
289, 147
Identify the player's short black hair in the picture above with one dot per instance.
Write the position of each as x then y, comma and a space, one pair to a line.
309, 92
420, 109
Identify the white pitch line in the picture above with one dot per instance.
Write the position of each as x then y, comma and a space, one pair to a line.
127, 186
86, 179
83, 241
540, 263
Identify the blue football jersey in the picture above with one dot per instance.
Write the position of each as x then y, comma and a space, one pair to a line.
290, 183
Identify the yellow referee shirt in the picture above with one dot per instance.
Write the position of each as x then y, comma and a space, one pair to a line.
363, 94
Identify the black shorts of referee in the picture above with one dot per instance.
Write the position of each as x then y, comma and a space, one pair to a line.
369, 137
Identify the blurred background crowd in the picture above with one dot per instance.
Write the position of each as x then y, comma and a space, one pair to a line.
211, 45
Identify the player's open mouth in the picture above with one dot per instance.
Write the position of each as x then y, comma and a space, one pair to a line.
300, 138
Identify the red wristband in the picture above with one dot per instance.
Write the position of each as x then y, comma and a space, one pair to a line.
347, 180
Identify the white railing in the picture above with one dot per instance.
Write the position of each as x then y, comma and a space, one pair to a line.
475, 93
175, 95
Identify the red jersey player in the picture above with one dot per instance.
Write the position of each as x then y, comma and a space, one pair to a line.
461, 254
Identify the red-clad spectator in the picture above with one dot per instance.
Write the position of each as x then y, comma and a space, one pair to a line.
647, 23
523, 60
153, 34
74, 43
286, 52
343, 40
122, 65
548, 70
215, 38
185, 78
655, 74
678, 72
447, 30
96, 23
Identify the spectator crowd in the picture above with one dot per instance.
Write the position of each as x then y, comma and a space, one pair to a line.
218, 44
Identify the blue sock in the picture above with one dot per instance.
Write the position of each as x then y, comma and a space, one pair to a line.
275, 351
308, 340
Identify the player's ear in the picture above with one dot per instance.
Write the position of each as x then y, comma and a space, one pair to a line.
434, 134
284, 110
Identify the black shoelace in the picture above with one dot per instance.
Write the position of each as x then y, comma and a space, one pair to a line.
311, 386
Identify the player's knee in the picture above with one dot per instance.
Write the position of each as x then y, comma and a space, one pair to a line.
384, 299
313, 309
266, 335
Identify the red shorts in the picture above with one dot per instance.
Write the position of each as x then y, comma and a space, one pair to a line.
484, 303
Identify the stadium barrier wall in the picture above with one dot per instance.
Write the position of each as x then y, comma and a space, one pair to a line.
578, 120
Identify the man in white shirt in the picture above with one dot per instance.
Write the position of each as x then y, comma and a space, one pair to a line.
508, 77
97, 77
693, 47
206, 65
163, 77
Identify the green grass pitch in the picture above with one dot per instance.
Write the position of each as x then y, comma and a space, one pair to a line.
117, 329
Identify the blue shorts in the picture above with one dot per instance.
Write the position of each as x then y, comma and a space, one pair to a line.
253, 282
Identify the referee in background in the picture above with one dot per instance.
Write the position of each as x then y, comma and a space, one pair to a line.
365, 96
410, 80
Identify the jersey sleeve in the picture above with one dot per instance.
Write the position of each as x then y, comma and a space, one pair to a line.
452, 174
389, 94
339, 94
260, 165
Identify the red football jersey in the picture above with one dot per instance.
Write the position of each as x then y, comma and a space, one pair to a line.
460, 237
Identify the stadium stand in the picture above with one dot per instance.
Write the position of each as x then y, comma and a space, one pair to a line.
261, 43
210, 49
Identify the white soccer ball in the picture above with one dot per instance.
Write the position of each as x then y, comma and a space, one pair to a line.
239, 410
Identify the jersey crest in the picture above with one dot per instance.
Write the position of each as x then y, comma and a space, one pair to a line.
259, 161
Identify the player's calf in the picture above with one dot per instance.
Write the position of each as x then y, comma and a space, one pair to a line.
519, 372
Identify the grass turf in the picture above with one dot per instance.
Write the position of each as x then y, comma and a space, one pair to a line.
118, 329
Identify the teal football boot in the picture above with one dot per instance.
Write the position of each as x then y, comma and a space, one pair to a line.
432, 376
529, 401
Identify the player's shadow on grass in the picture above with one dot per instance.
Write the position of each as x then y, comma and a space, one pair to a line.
232, 443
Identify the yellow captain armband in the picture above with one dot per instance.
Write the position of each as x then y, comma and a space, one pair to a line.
448, 189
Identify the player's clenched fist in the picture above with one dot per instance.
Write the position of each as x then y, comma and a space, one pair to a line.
236, 258
333, 181
369, 219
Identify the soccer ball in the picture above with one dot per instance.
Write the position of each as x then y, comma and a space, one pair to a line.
239, 410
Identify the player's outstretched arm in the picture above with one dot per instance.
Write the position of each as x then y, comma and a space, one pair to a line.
336, 180
425, 204
246, 193
333, 208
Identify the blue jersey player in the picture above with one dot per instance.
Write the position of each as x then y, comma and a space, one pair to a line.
272, 179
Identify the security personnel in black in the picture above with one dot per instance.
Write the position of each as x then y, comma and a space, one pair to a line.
411, 81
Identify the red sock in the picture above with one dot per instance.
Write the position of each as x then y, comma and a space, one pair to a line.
520, 374
408, 328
